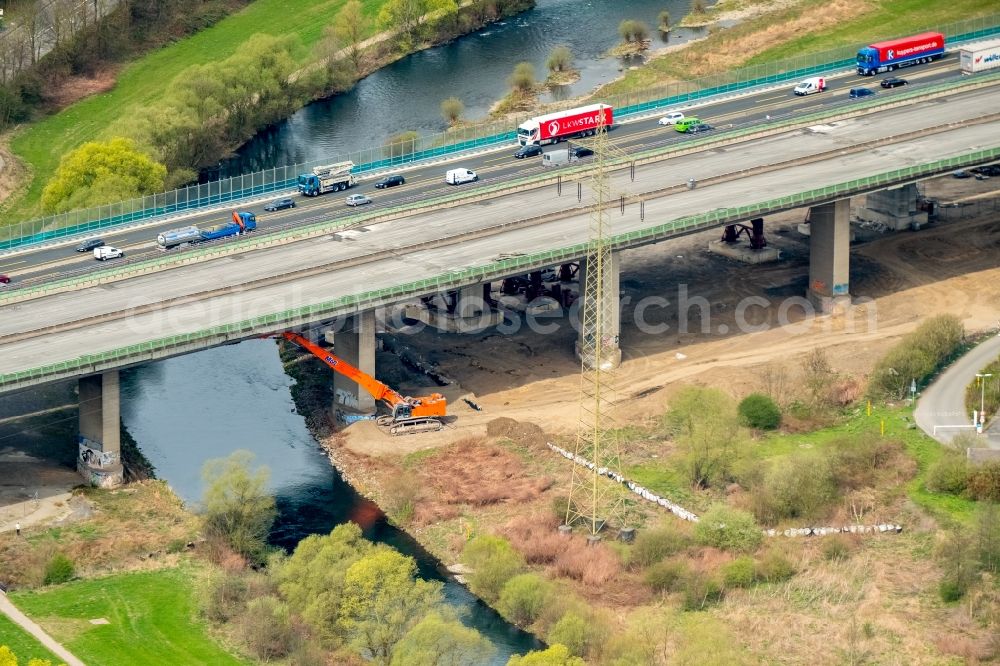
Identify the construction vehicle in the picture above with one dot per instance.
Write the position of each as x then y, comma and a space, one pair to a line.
329, 178
407, 415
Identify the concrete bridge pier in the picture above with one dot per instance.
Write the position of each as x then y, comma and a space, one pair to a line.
355, 343
896, 208
604, 350
99, 440
830, 255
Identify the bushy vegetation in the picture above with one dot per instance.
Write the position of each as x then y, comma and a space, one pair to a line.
741, 572
984, 392
653, 545
759, 411
8, 658
60, 569
953, 474
494, 562
632, 30
560, 59
523, 598
401, 144
666, 576
917, 356
451, 109
728, 528
238, 510
522, 79
967, 556
554, 655
704, 424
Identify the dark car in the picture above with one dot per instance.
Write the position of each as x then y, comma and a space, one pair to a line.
961, 173
893, 82
4, 279
700, 127
280, 204
390, 181
529, 150
580, 151
89, 244
860, 92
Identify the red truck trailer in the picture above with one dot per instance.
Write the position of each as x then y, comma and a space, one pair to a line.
887, 56
562, 125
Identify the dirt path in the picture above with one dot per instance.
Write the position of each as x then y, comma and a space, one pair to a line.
22, 620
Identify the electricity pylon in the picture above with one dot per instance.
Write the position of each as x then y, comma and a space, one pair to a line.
592, 499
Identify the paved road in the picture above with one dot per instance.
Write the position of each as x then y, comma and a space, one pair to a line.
943, 402
22, 620
427, 180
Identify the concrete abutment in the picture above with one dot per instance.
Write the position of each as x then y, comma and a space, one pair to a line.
99, 440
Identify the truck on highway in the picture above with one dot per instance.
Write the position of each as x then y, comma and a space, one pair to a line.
980, 57
562, 125
329, 178
243, 222
887, 56
175, 237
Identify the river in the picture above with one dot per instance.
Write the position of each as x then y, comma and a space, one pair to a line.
473, 68
182, 416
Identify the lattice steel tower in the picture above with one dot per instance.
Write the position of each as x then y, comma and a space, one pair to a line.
592, 499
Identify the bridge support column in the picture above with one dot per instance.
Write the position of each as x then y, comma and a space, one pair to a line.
604, 350
356, 345
99, 439
896, 208
830, 255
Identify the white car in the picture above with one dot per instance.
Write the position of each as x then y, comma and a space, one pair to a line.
106, 252
357, 200
671, 118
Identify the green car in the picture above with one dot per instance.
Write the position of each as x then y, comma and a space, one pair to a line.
684, 124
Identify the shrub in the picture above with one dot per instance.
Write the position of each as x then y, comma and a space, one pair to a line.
666, 576
494, 562
700, 590
225, 595
800, 487
59, 569
560, 59
775, 567
451, 109
984, 482
663, 20
589, 564
401, 144
523, 598
572, 630
759, 411
917, 355
740, 572
837, 547
949, 474
653, 545
951, 589
266, 629
522, 79
729, 529
633, 31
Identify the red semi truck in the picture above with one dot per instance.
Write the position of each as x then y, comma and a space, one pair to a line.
887, 56
562, 125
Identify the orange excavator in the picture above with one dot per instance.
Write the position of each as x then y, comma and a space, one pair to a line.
408, 415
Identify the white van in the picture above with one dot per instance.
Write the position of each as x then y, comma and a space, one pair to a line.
811, 85
459, 176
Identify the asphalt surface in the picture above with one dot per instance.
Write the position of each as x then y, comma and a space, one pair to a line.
383, 254
941, 407
50, 261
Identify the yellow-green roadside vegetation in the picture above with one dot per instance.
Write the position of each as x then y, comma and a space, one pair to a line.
984, 392
143, 82
810, 26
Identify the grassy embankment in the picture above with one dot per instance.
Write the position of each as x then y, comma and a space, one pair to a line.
808, 27
144, 82
22, 643
151, 619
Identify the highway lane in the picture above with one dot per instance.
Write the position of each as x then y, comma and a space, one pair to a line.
390, 261
427, 180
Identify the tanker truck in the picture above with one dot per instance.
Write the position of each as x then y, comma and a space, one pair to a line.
329, 178
243, 222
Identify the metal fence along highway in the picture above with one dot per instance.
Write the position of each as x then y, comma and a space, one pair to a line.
440, 145
175, 344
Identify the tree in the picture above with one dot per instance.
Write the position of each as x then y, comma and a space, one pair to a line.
350, 27
633, 31
238, 508
523, 78
698, 7
703, 422
100, 172
493, 561
729, 529
382, 600
663, 20
312, 579
403, 15
436, 641
523, 598
554, 655
759, 411
573, 631
451, 109
560, 59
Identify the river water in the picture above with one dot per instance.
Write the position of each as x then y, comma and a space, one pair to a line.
473, 68
182, 416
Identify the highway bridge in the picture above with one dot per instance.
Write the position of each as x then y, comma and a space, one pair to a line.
310, 274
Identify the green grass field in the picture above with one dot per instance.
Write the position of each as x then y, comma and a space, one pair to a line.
151, 619
22, 643
144, 81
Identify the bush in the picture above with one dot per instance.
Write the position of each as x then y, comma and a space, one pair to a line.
401, 144
653, 545
560, 59
951, 589
700, 590
572, 630
633, 31
592, 565
759, 411
266, 628
740, 572
984, 482
663, 20
837, 547
451, 109
59, 569
800, 487
523, 77
729, 529
949, 474
225, 596
775, 567
917, 355
666, 576
494, 562
523, 598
